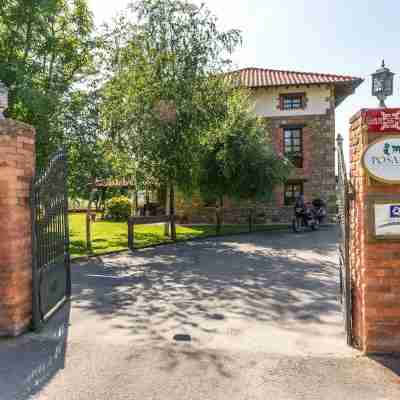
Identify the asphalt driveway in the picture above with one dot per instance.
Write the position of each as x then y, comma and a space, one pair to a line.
257, 316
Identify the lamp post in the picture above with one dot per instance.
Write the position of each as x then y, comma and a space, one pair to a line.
382, 84
3, 99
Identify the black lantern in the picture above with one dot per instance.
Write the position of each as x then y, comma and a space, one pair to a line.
382, 84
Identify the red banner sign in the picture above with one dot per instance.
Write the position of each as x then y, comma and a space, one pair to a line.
382, 120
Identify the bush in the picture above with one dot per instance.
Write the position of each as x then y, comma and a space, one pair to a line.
118, 208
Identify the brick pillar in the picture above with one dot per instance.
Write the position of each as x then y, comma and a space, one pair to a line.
17, 165
375, 263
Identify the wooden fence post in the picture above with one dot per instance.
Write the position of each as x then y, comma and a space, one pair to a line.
172, 212
88, 232
131, 235
89, 220
167, 226
132, 221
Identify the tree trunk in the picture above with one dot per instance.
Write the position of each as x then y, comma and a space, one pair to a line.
89, 222
167, 231
28, 38
52, 60
146, 204
134, 202
172, 211
103, 202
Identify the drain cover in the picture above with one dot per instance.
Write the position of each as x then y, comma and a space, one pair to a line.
182, 338
218, 317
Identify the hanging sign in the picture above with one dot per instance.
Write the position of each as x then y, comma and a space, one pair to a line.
387, 220
383, 120
381, 159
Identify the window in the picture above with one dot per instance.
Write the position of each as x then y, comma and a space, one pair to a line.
293, 145
292, 101
292, 191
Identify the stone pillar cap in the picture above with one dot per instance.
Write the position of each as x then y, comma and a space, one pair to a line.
11, 127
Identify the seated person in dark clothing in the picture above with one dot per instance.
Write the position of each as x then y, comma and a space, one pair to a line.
318, 203
300, 203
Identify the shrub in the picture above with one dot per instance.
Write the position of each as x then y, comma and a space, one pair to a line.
118, 208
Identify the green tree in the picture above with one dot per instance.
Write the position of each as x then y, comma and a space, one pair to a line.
238, 158
92, 155
89, 152
45, 49
164, 87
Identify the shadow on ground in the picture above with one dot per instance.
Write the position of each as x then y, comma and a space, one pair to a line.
290, 278
29, 362
390, 362
225, 293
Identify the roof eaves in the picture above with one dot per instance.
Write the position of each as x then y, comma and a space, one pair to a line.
356, 82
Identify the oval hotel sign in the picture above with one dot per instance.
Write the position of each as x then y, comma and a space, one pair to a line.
381, 159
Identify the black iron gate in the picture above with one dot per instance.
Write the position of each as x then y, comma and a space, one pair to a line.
51, 262
343, 202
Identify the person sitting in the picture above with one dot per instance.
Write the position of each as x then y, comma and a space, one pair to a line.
300, 202
318, 203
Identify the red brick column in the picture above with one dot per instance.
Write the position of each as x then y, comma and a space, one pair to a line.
17, 165
375, 264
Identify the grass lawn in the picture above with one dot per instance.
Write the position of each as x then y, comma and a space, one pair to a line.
110, 236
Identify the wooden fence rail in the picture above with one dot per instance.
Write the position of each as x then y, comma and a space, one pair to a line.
132, 221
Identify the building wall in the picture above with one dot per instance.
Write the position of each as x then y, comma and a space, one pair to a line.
318, 172
267, 101
17, 167
375, 264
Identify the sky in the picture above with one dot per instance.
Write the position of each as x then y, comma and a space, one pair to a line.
349, 37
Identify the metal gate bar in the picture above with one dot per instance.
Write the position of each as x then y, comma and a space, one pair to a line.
50, 240
343, 193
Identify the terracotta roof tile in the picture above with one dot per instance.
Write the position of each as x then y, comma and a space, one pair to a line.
259, 77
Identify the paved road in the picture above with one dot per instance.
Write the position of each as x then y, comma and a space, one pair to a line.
261, 312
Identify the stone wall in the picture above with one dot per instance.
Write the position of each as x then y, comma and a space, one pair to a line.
375, 265
17, 158
235, 215
318, 173
356, 226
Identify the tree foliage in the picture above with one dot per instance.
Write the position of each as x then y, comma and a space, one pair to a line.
88, 151
45, 48
163, 91
92, 155
238, 158
161, 111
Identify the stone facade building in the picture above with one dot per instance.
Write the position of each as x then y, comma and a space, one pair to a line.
299, 113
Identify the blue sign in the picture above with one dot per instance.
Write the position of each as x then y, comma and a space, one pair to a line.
395, 211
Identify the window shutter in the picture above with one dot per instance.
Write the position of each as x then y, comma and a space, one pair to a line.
304, 101
280, 102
